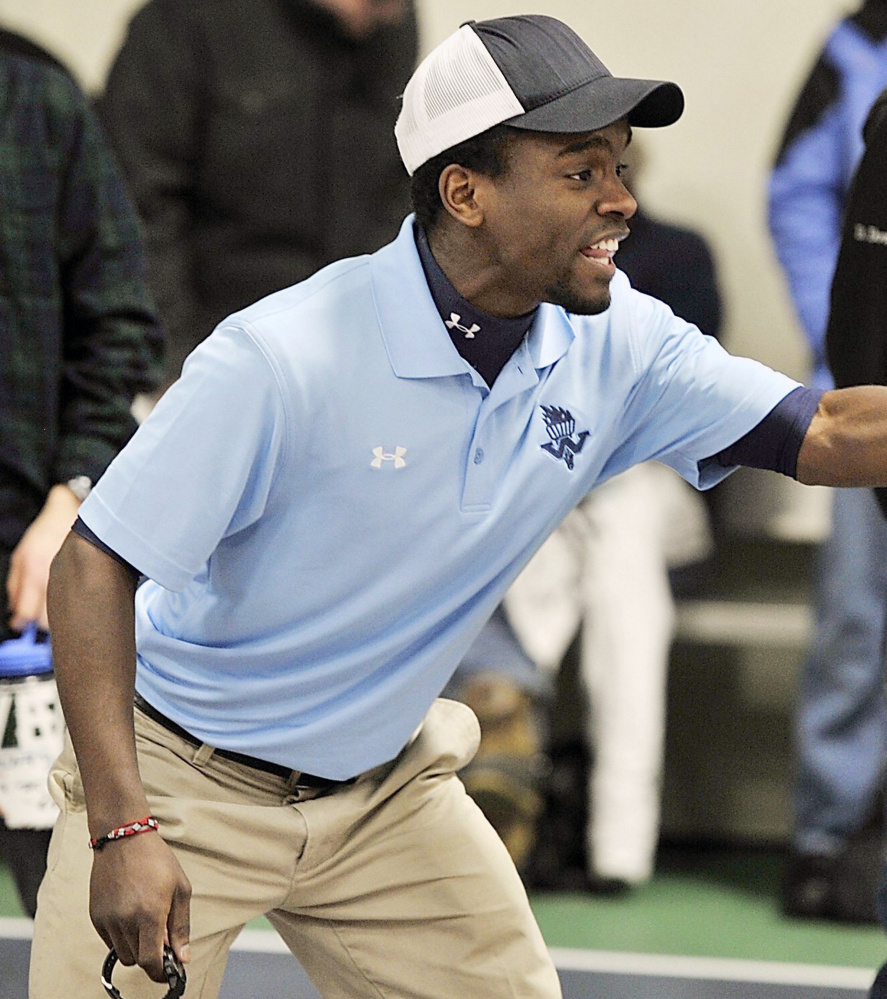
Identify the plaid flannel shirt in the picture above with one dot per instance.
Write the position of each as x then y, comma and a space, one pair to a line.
78, 330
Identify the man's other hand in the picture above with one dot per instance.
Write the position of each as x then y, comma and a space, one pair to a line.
29, 564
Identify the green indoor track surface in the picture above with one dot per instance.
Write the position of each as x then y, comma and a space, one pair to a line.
706, 904
9, 903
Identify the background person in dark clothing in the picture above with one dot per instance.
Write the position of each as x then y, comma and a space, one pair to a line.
78, 335
648, 260
856, 335
257, 142
841, 720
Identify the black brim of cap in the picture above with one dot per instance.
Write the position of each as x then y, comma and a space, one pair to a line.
646, 104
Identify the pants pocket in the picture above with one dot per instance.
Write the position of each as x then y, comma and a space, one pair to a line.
65, 785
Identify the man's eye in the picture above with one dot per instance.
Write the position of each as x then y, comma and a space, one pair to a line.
582, 175
621, 169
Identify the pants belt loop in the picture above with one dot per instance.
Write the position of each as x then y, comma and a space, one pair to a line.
293, 785
203, 754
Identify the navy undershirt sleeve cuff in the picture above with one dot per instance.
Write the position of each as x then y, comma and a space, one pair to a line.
776, 441
80, 528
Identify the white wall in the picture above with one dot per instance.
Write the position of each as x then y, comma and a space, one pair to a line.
739, 65
84, 34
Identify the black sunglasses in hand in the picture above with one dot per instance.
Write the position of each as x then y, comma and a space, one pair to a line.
175, 974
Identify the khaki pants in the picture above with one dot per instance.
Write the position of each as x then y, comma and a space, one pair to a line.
394, 886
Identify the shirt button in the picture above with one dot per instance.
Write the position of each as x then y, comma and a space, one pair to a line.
478, 456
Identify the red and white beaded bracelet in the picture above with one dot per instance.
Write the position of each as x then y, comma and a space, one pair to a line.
147, 824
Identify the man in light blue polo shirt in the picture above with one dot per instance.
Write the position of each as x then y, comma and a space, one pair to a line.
327, 507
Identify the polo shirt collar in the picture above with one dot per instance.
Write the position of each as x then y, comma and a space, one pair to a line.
417, 342
550, 336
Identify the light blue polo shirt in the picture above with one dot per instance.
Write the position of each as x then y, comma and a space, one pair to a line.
330, 502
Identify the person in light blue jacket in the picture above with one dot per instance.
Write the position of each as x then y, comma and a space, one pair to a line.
841, 725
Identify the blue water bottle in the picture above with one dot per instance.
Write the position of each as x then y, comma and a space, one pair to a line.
31, 730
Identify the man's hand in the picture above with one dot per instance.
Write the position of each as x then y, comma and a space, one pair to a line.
846, 442
31, 558
139, 895
140, 899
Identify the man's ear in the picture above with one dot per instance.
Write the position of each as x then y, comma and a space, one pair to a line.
459, 192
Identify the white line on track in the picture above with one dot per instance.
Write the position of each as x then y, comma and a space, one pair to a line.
607, 962
15, 929
713, 968
659, 965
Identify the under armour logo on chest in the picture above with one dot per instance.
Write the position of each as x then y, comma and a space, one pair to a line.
381, 456
454, 323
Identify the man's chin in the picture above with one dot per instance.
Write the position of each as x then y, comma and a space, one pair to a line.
579, 305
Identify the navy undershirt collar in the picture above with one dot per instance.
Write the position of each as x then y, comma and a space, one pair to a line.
486, 342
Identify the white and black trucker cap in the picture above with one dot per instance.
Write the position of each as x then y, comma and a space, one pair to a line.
528, 71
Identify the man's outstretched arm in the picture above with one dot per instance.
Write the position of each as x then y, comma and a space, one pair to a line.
139, 895
846, 442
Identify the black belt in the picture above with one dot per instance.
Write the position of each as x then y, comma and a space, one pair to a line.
304, 780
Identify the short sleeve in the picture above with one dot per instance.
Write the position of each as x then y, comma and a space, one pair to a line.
692, 399
202, 465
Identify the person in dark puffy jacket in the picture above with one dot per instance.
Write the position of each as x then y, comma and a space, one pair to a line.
856, 334
841, 725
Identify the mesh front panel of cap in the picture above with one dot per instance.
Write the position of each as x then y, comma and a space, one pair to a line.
463, 74
457, 92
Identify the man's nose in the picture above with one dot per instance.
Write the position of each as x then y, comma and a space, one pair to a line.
617, 200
